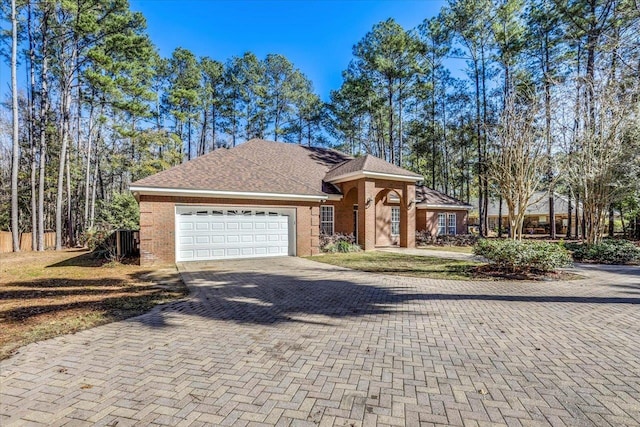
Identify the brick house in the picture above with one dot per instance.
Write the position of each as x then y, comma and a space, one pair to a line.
265, 198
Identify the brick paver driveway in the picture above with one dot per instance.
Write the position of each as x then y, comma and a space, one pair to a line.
292, 342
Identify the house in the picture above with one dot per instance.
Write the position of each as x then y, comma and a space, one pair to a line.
441, 214
265, 198
536, 220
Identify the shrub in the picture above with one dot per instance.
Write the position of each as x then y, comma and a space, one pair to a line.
523, 256
120, 212
609, 251
344, 243
426, 238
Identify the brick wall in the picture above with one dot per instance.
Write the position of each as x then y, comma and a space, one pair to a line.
427, 219
157, 224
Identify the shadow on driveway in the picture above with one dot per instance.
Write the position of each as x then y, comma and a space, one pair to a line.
273, 297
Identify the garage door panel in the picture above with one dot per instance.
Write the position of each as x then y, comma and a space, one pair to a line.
187, 255
186, 240
218, 235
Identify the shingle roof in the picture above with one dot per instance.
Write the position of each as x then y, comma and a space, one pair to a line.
260, 166
432, 197
256, 166
367, 163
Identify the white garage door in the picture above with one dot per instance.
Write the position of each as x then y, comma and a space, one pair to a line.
218, 233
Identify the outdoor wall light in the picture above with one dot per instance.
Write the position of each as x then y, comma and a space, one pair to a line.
411, 204
368, 203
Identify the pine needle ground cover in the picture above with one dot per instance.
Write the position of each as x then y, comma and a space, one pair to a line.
46, 294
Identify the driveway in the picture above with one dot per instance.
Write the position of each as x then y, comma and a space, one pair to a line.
288, 341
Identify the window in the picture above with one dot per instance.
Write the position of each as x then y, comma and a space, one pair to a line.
442, 224
451, 223
326, 220
395, 220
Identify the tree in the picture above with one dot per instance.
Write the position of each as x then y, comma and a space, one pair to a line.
213, 93
544, 36
606, 167
15, 158
183, 93
468, 18
518, 163
386, 57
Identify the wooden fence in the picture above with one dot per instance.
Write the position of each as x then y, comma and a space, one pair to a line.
6, 242
123, 243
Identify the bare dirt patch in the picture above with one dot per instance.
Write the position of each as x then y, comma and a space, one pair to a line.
46, 294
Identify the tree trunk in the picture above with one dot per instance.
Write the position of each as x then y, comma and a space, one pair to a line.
481, 195
92, 214
390, 96
63, 157
32, 140
15, 158
71, 229
611, 221
44, 120
547, 113
484, 176
569, 216
577, 216
500, 216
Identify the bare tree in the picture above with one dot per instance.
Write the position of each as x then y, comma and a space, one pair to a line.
606, 164
519, 160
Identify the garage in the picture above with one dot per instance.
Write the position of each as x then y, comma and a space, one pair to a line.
211, 233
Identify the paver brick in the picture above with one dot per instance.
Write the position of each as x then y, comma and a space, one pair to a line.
288, 341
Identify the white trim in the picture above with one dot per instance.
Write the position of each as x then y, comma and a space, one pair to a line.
455, 223
449, 207
222, 194
336, 197
333, 218
366, 174
395, 209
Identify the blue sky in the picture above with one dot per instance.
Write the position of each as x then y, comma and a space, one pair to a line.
317, 36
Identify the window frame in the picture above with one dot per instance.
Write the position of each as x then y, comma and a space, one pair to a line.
453, 227
325, 221
442, 228
395, 220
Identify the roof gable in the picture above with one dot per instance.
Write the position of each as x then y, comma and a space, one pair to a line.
368, 164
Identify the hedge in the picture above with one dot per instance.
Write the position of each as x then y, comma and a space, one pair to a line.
523, 256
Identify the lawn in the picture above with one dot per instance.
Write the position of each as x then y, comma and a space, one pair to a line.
402, 265
46, 294
457, 249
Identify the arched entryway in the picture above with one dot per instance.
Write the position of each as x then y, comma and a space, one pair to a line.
388, 204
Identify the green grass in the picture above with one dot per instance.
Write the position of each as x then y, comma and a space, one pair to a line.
458, 249
402, 265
